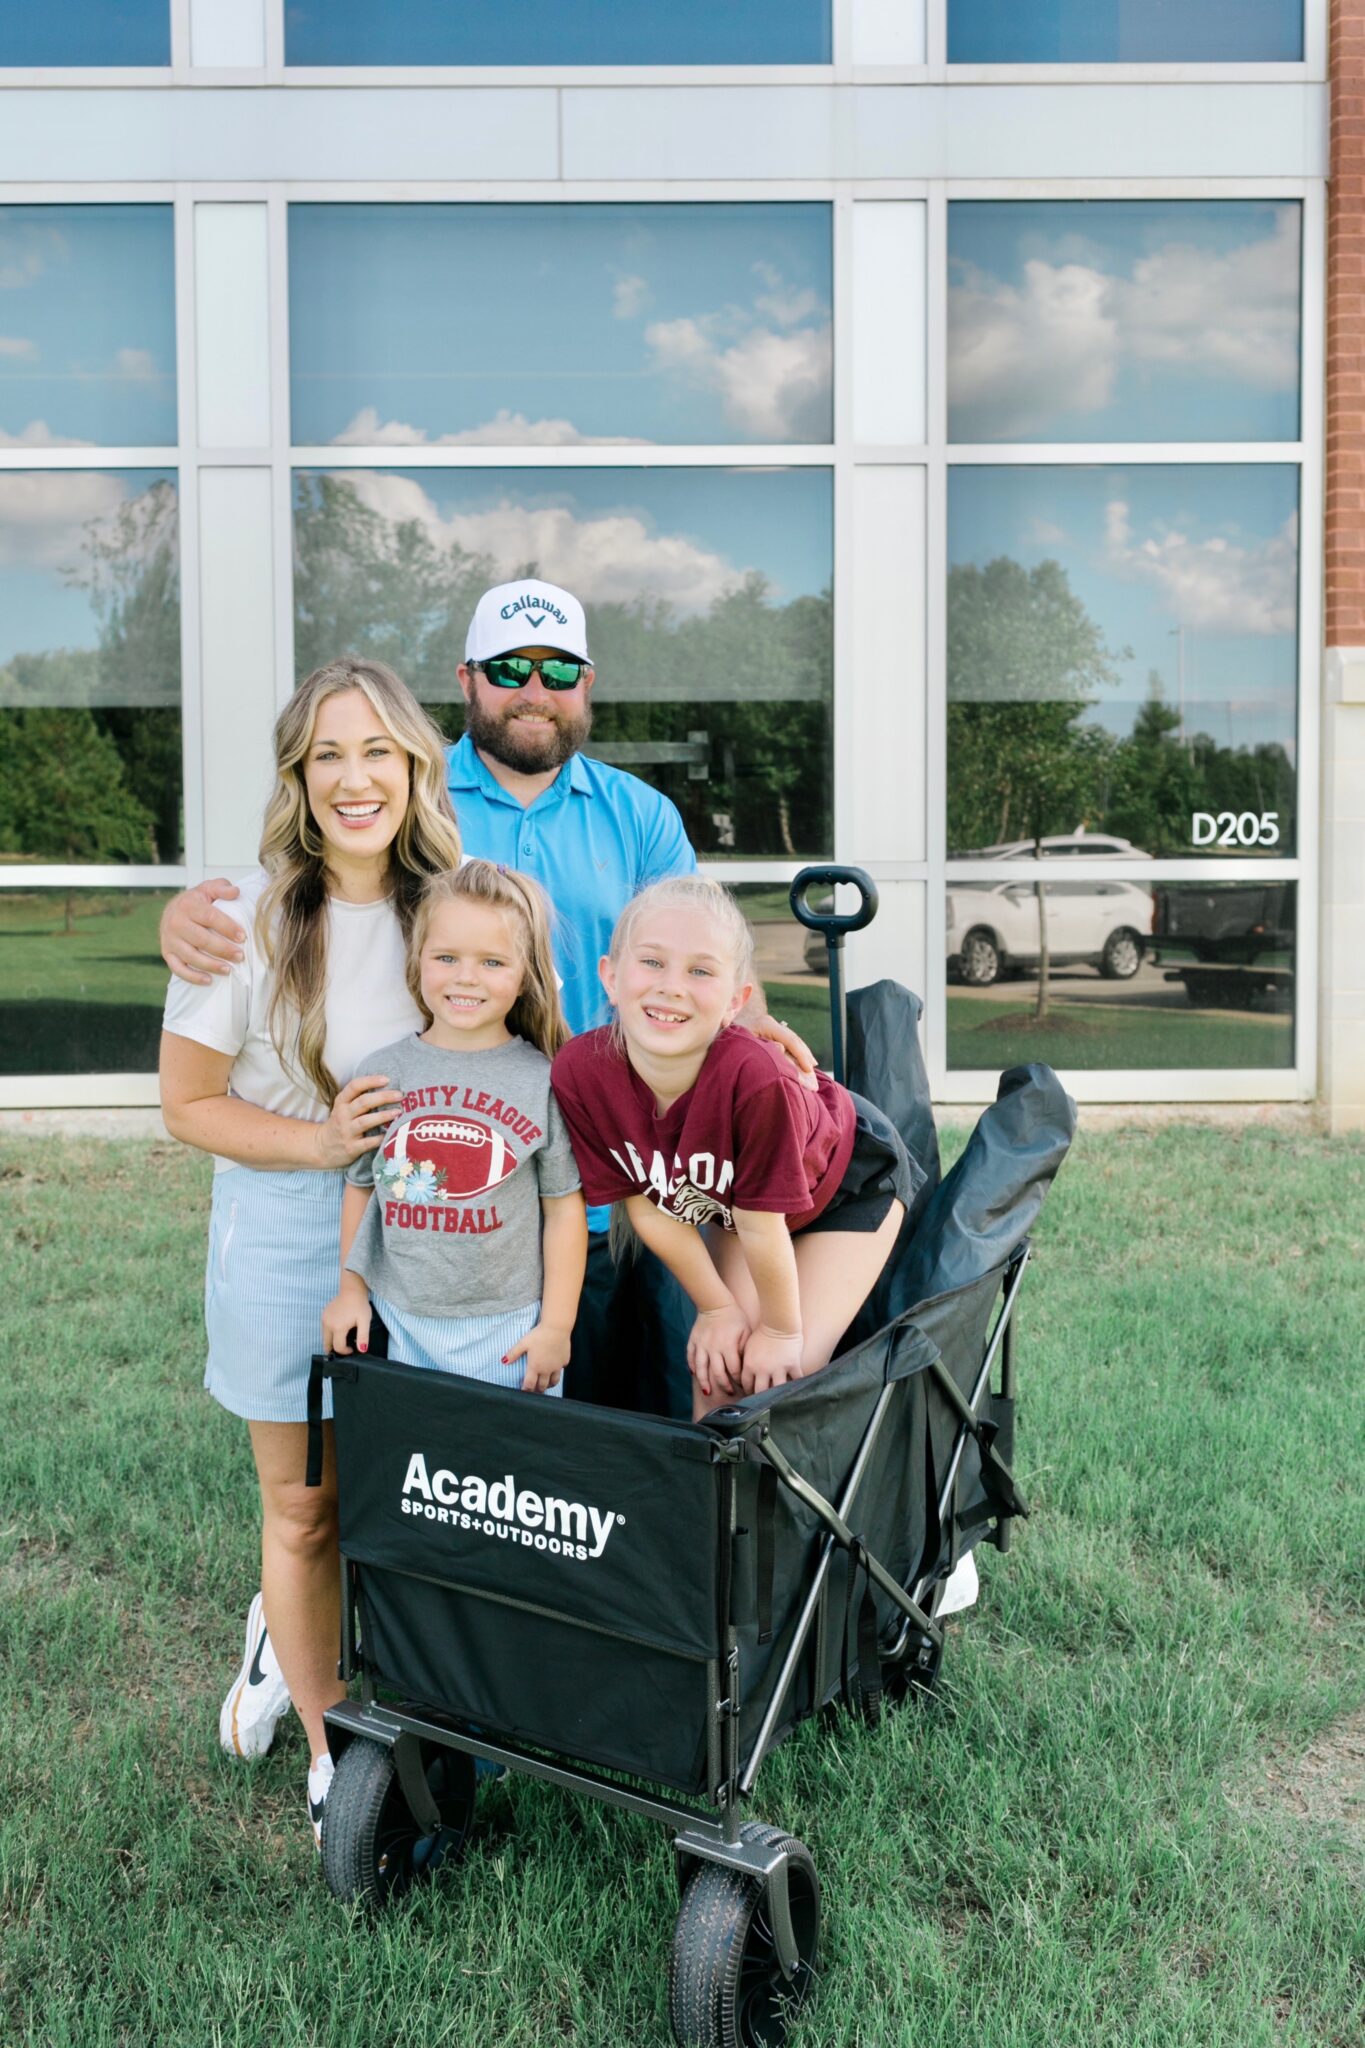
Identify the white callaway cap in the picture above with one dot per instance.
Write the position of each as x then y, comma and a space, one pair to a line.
526, 614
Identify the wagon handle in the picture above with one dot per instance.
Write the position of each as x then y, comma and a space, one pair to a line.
833, 925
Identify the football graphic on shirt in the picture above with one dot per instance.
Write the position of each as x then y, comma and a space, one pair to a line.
472, 1157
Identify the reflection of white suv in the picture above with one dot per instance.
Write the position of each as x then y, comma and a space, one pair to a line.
993, 926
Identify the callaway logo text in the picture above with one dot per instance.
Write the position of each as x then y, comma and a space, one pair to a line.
568, 1528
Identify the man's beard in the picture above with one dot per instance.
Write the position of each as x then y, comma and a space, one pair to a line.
528, 751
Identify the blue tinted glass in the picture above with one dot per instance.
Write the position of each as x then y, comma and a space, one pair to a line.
550, 325
1125, 31
1131, 320
87, 327
1123, 654
87, 32
548, 32
709, 611
90, 750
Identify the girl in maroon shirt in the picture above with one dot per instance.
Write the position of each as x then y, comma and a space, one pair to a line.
774, 1205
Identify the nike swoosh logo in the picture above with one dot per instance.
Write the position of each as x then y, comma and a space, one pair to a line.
315, 1807
256, 1676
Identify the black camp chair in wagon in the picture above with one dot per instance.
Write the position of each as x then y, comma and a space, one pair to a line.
620, 1603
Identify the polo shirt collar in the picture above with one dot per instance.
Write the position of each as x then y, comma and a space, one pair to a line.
467, 771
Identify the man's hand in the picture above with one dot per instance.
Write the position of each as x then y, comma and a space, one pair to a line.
716, 1347
771, 1358
546, 1351
796, 1049
198, 941
363, 1109
348, 1311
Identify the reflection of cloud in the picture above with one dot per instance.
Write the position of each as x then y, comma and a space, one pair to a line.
1041, 533
773, 386
138, 365
38, 434
1218, 585
629, 297
43, 514
605, 557
504, 430
14, 345
25, 249
1023, 355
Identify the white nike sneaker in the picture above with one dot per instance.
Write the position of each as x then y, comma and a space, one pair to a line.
320, 1774
259, 1698
960, 1588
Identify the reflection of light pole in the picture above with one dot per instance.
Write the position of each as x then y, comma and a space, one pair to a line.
1178, 635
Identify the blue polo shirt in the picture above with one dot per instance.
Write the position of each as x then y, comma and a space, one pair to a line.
592, 840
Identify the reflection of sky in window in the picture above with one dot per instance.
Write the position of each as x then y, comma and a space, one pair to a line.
683, 536
548, 32
1131, 320
1149, 551
46, 516
87, 32
1124, 31
549, 325
87, 326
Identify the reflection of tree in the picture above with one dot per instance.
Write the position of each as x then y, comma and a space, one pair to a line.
113, 712
62, 793
754, 675
132, 571
1024, 662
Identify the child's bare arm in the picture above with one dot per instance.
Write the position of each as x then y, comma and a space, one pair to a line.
721, 1330
564, 1246
772, 1355
350, 1308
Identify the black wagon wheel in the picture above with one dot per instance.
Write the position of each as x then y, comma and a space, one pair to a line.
372, 1848
726, 1987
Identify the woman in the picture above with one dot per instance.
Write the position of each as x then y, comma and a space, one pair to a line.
259, 1069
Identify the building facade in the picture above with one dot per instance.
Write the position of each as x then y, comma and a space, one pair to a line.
949, 411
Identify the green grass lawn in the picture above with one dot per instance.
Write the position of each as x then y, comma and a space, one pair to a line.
1134, 1817
1095, 1035
87, 1000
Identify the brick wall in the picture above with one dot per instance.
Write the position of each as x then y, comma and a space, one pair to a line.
1345, 549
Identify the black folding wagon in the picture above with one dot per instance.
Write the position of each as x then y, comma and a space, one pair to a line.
638, 1609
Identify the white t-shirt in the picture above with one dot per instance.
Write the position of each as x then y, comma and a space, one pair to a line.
367, 1005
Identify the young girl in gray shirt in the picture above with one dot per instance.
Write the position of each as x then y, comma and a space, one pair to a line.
466, 1225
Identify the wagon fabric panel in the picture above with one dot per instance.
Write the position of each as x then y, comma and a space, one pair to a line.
535, 1567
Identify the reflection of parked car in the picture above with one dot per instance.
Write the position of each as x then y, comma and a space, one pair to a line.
993, 927
1226, 944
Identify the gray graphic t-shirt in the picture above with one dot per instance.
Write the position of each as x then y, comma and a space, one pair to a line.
454, 1226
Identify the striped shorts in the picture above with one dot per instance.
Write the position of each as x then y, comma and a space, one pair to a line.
273, 1266
472, 1346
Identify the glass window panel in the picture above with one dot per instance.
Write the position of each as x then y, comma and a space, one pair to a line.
1123, 320
709, 607
82, 982
1139, 974
547, 32
790, 962
554, 325
1125, 31
87, 32
1122, 658
87, 327
90, 764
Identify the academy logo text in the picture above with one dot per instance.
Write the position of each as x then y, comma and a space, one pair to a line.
567, 1528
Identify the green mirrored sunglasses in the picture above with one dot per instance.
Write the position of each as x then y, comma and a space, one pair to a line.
511, 671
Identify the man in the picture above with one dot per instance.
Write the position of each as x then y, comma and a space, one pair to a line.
593, 835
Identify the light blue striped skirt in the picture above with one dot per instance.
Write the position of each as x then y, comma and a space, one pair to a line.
472, 1346
274, 1264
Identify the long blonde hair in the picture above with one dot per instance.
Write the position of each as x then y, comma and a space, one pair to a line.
292, 917
536, 1015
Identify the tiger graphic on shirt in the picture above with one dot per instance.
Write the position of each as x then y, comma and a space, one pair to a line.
692, 1195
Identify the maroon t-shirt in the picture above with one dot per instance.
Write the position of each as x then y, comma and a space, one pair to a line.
746, 1134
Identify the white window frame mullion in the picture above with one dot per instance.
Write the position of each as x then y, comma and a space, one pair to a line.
845, 807
282, 457
935, 781
187, 408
